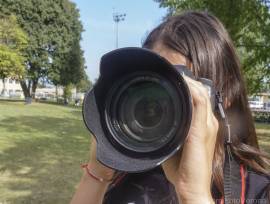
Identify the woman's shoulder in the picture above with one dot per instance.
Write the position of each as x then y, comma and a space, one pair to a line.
255, 184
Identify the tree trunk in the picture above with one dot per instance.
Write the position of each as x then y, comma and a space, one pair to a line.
4, 86
34, 87
56, 93
26, 92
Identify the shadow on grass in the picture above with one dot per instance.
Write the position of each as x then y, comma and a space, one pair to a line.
45, 164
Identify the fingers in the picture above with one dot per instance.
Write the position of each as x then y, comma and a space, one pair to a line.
93, 149
198, 91
203, 116
202, 113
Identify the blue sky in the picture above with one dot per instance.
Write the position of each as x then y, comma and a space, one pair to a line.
99, 35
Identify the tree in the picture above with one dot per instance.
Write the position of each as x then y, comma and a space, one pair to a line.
54, 27
68, 68
248, 23
84, 85
67, 93
13, 41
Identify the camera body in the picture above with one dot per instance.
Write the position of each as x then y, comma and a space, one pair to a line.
140, 109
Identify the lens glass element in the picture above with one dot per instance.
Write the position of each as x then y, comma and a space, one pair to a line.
148, 112
145, 112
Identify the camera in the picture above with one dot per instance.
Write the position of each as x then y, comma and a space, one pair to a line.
140, 109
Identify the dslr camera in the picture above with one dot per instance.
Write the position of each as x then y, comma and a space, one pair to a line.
140, 109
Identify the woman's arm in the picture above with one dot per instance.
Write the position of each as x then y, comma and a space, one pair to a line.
90, 190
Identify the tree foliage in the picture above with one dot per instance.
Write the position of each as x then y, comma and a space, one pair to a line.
67, 92
54, 29
13, 41
84, 85
248, 23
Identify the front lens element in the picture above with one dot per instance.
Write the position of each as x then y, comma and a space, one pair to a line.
145, 113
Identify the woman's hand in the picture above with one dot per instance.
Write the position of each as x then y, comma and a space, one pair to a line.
190, 170
96, 167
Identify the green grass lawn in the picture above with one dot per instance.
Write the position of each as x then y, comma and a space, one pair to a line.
41, 149
263, 132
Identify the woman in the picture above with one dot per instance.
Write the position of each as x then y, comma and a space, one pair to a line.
195, 175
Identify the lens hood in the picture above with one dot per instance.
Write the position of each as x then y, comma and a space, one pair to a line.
118, 69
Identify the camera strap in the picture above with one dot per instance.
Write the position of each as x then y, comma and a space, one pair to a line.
228, 154
231, 192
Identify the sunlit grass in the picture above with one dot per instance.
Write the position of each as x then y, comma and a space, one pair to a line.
41, 149
263, 132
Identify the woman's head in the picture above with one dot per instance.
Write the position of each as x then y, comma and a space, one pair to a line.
205, 43
200, 41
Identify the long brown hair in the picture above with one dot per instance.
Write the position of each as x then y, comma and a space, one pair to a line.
203, 40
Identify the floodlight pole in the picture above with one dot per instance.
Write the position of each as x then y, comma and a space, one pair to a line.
117, 18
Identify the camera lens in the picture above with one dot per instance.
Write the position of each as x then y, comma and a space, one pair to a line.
145, 111
142, 113
148, 112
139, 110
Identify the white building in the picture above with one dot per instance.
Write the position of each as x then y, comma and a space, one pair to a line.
260, 101
51, 92
13, 90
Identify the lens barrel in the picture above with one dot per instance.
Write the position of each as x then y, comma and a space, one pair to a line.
139, 110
